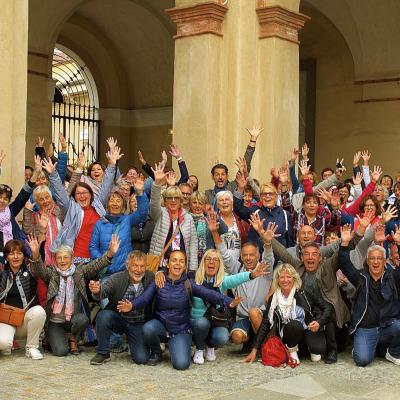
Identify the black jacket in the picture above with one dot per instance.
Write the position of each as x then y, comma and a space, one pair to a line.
315, 309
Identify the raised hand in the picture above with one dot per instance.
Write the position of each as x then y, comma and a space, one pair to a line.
170, 177
48, 166
94, 287
379, 235
124, 306
304, 151
257, 223
396, 234
50, 150
40, 141
34, 245
38, 164
2, 156
241, 182
242, 165
139, 184
270, 232
159, 174
365, 155
324, 195
346, 234
294, 155
283, 175
81, 160
212, 221
376, 173
174, 151
340, 168
141, 158
304, 167
366, 219
112, 143
62, 141
259, 270
274, 173
254, 132
114, 246
114, 155
164, 158
358, 178
390, 213
356, 158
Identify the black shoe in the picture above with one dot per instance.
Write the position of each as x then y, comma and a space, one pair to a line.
331, 357
154, 359
99, 359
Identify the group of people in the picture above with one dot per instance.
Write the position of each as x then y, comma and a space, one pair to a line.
151, 258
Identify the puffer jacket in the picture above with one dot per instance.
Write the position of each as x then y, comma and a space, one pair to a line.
162, 221
315, 309
172, 302
83, 274
390, 289
72, 211
120, 225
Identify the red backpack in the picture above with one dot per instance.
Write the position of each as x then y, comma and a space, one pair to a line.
275, 354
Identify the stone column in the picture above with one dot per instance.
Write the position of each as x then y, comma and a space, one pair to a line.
13, 84
279, 79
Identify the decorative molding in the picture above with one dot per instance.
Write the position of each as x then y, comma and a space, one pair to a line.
145, 117
277, 21
42, 74
198, 19
381, 80
377, 100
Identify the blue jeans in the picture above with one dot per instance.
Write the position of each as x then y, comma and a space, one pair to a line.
367, 339
179, 345
108, 322
203, 333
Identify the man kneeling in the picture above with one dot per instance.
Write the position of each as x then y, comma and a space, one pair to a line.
119, 317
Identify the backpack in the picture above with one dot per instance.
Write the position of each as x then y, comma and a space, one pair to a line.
275, 354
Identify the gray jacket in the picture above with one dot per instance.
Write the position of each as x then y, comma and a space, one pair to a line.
254, 291
162, 221
72, 211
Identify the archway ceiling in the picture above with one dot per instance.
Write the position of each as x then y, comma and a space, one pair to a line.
371, 31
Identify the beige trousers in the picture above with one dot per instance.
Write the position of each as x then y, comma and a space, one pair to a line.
33, 324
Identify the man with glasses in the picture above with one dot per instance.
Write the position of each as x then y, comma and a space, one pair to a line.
118, 316
375, 317
187, 191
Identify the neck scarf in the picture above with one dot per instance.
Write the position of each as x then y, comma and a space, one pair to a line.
51, 232
5, 224
286, 306
65, 295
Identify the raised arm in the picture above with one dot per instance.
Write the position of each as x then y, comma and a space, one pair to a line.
155, 199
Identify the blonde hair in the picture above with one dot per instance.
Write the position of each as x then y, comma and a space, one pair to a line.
198, 196
200, 273
269, 186
291, 271
172, 191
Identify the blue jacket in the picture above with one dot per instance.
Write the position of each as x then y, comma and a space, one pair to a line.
390, 287
277, 214
229, 282
121, 225
172, 302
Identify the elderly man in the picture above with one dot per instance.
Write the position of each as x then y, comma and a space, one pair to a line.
394, 258
121, 289
375, 317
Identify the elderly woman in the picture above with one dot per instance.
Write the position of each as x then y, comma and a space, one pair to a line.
171, 219
268, 212
294, 315
198, 204
9, 228
67, 296
210, 325
232, 229
172, 311
116, 222
18, 289
82, 210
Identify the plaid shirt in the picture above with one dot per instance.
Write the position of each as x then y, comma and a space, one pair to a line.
319, 224
134, 315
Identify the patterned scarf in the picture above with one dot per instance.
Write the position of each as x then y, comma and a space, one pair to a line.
285, 305
201, 229
65, 295
5, 224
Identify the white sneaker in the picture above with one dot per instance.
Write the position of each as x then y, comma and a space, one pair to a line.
315, 357
295, 356
6, 352
198, 357
33, 353
395, 361
210, 354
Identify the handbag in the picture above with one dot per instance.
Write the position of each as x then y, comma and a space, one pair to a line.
275, 354
13, 315
153, 261
219, 318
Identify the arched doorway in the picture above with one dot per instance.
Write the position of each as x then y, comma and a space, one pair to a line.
75, 105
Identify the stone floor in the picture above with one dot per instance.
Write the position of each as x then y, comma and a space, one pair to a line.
74, 378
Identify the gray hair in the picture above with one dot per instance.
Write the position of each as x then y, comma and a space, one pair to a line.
140, 255
223, 194
40, 189
64, 249
376, 247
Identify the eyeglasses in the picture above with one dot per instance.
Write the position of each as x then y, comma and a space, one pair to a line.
267, 194
173, 198
370, 206
186, 194
373, 259
214, 259
82, 193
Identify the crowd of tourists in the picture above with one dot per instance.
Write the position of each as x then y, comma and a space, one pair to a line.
155, 262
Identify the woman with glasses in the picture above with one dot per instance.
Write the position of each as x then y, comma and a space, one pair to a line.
210, 325
171, 219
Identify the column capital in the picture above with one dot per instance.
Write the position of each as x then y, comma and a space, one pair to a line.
277, 21
198, 19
